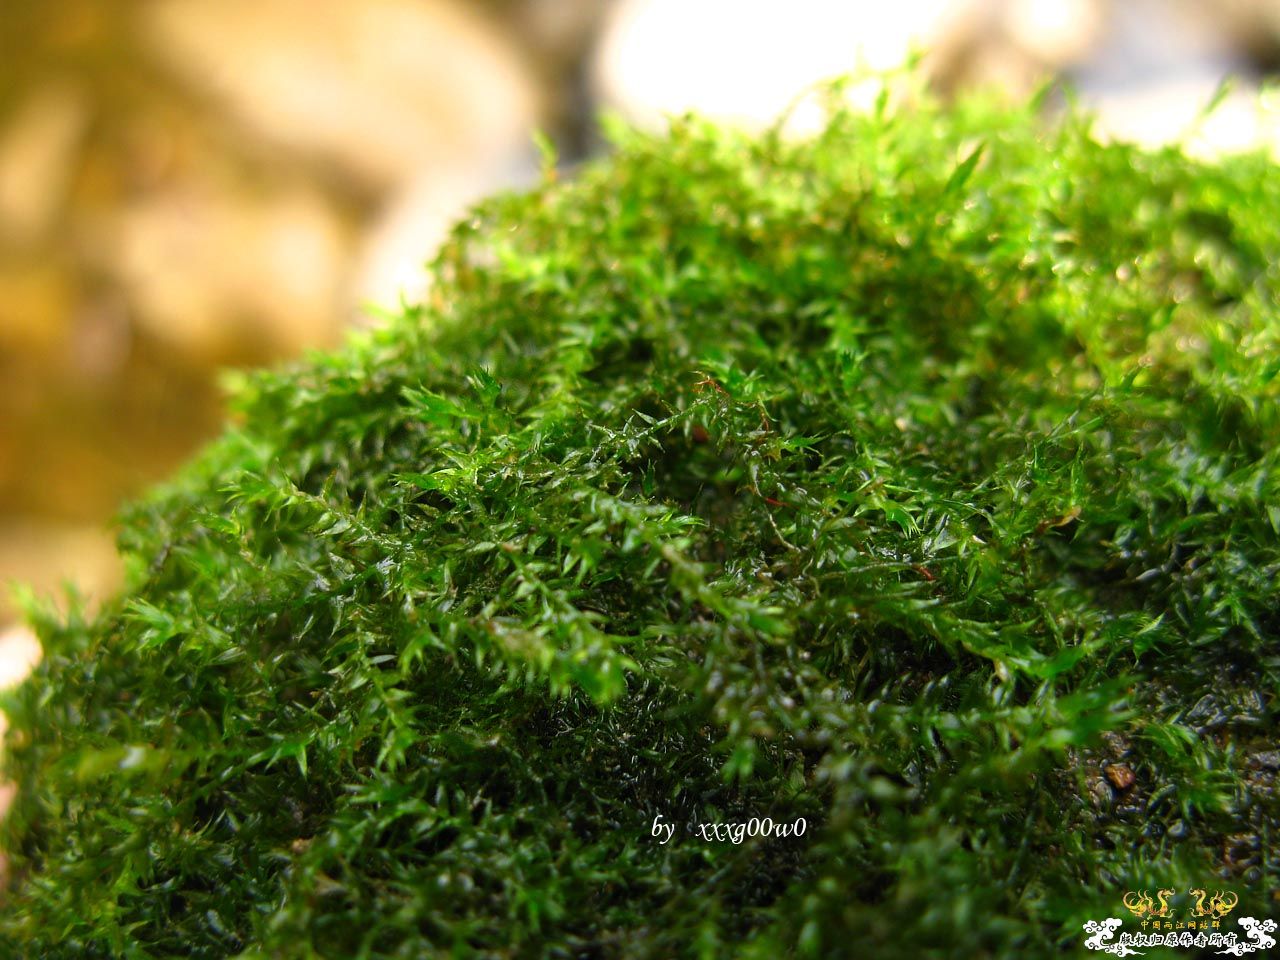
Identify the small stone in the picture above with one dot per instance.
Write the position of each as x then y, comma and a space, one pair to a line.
1207, 713
1100, 794
1121, 777
1267, 759
1240, 850
1117, 743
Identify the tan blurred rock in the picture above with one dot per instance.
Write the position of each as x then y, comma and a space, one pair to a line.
1016, 45
37, 147
219, 273
558, 30
36, 300
45, 555
379, 87
1254, 25
1054, 32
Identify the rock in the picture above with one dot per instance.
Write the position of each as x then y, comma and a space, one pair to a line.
222, 275
377, 87
556, 30
1055, 33
19, 652
45, 555
1266, 759
1149, 67
37, 147
1120, 776
37, 297
1117, 744
1016, 45
1254, 26
1100, 794
417, 220
1173, 111
1159, 66
746, 62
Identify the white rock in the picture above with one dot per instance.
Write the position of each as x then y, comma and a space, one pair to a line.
19, 653
746, 61
1173, 112
418, 219
1159, 66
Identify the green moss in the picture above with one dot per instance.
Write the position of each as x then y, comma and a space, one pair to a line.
896, 479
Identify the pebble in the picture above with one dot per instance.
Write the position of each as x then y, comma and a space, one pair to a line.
1267, 759
1121, 777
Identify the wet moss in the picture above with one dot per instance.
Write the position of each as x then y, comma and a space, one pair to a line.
917, 479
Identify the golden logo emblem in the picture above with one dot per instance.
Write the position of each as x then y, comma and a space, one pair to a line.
1142, 906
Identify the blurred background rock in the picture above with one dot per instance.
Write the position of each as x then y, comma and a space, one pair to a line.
187, 185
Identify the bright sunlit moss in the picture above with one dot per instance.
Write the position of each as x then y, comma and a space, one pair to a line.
918, 480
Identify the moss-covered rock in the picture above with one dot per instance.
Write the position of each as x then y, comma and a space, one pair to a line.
917, 480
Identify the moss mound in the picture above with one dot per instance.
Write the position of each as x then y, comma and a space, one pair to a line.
917, 480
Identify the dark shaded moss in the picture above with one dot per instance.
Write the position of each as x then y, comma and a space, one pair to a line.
906, 479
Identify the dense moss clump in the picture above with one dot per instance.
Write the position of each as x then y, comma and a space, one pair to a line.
917, 479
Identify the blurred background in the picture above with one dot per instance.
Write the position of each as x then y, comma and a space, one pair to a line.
191, 185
